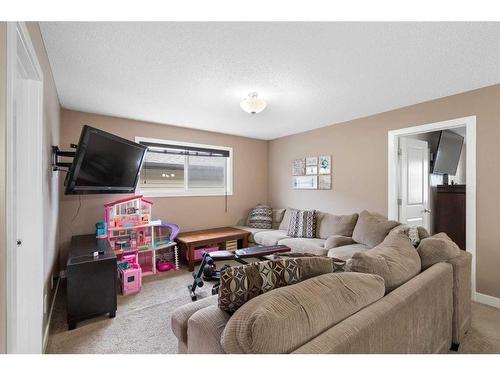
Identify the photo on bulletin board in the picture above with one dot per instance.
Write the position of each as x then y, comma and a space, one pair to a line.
325, 182
310, 161
325, 164
305, 182
311, 169
299, 166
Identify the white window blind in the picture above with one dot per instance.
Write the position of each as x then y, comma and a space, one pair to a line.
174, 168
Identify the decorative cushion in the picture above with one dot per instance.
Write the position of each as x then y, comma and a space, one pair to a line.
413, 233
302, 224
371, 229
437, 248
395, 260
286, 318
278, 214
261, 217
286, 219
240, 284
341, 225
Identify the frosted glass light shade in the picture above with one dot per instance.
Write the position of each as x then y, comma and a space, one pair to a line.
253, 104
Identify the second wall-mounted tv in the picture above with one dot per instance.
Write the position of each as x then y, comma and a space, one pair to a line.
104, 164
448, 153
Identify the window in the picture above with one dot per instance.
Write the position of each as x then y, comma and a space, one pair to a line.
173, 168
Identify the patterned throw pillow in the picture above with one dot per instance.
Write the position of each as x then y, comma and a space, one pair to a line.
261, 217
242, 283
413, 233
302, 224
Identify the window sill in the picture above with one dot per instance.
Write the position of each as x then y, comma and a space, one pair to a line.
162, 194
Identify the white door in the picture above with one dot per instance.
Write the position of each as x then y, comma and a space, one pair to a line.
414, 182
25, 198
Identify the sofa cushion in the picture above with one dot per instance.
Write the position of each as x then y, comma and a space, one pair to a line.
181, 315
395, 259
302, 224
269, 237
286, 318
314, 246
278, 214
346, 252
413, 233
261, 217
252, 231
437, 248
372, 228
286, 219
337, 241
239, 284
341, 225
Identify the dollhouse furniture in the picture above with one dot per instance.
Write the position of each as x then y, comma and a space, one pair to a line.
132, 231
90, 279
130, 276
194, 244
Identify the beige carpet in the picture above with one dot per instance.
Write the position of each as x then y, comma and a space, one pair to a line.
142, 323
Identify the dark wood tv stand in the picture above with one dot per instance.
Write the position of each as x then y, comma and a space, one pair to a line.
90, 280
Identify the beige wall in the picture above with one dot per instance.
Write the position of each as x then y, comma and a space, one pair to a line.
3, 266
191, 213
359, 151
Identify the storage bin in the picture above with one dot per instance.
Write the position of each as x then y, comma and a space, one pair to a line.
198, 253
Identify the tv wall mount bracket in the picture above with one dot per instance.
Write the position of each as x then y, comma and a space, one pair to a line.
57, 164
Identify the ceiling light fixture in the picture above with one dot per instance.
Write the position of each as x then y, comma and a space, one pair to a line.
253, 104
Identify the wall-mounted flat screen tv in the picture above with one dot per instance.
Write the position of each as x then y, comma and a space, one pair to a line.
448, 153
104, 164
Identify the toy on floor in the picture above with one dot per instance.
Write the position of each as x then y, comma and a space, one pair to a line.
130, 276
164, 262
208, 270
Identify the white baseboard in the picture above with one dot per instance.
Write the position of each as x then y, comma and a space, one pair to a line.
49, 320
488, 300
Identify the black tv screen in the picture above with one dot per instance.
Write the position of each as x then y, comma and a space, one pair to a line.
104, 163
448, 153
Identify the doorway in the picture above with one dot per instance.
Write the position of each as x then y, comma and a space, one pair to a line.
24, 193
412, 185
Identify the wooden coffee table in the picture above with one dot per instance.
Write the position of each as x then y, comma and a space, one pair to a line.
217, 237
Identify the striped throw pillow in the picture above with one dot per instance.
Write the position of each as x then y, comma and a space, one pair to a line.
302, 224
261, 217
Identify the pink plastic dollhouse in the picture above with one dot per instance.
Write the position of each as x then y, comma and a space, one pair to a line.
131, 231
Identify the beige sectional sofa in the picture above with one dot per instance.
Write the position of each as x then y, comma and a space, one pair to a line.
428, 314
364, 311
333, 234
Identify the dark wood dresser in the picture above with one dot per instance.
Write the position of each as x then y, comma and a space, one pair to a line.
90, 280
450, 212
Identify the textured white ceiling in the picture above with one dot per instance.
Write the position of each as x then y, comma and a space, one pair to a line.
311, 74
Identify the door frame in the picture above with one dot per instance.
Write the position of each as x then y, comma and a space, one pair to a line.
21, 337
470, 178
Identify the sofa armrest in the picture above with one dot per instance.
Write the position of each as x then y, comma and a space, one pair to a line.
205, 329
337, 241
461, 295
181, 315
